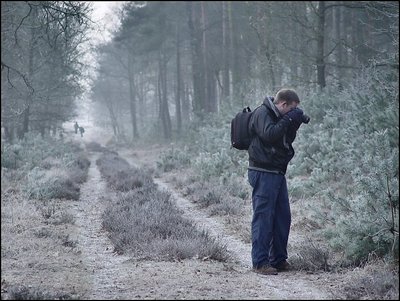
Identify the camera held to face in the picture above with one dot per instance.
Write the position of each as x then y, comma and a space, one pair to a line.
305, 118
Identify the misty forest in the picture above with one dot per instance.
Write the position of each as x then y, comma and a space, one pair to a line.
171, 77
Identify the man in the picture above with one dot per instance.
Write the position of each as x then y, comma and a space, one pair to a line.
274, 125
76, 126
81, 130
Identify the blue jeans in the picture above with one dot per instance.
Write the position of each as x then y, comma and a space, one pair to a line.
270, 225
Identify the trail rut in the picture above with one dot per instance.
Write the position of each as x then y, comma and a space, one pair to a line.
285, 285
106, 269
90, 270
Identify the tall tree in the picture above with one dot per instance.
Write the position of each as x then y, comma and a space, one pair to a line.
197, 57
163, 96
320, 57
225, 52
41, 38
179, 87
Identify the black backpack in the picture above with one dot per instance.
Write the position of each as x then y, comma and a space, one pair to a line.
240, 134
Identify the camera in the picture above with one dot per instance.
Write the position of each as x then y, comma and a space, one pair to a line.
305, 118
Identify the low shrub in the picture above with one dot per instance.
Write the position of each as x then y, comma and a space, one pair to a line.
21, 292
375, 281
46, 185
120, 175
78, 169
174, 159
145, 222
95, 147
47, 168
310, 257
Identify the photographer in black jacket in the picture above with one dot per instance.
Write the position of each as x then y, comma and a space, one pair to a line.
274, 126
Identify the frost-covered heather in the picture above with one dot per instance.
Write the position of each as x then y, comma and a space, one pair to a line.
47, 168
145, 222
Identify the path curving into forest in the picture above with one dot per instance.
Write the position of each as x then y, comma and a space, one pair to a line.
105, 269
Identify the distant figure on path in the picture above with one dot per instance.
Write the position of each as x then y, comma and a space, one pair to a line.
76, 126
81, 130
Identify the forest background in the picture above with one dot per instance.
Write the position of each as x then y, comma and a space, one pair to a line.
177, 72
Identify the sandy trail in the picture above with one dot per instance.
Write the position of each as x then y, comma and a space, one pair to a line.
92, 271
239, 251
106, 269
285, 285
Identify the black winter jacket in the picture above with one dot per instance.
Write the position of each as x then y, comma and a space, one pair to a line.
271, 148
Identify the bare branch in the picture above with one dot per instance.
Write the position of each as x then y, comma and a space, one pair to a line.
5, 66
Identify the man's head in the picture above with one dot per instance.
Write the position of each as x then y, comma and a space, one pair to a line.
286, 100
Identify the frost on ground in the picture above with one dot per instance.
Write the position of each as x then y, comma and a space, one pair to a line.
76, 260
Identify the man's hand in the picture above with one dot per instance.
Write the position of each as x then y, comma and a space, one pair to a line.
296, 115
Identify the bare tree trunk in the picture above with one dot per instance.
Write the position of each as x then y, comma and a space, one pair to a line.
225, 54
204, 61
185, 103
231, 50
197, 59
178, 83
7, 121
338, 19
320, 60
209, 80
135, 133
113, 118
306, 68
29, 96
206, 67
269, 55
140, 97
164, 109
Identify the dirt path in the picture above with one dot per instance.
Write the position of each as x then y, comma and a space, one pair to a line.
240, 252
114, 276
286, 286
106, 270
294, 285
89, 269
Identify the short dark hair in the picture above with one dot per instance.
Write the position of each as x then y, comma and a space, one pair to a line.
287, 95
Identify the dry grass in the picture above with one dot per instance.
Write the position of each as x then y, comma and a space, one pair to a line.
146, 223
50, 184
95, 147
378, 279
21, 292
31, 241
374, 281
119, 175
36, 223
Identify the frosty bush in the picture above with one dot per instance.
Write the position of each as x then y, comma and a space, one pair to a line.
21, 292
120, 175
212, 164
350, 154
46, 185
10, 156
370, 217
50, 168
78, 169
145, 222
93, 146
237, 185
310, 257
174, 159
33, 149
